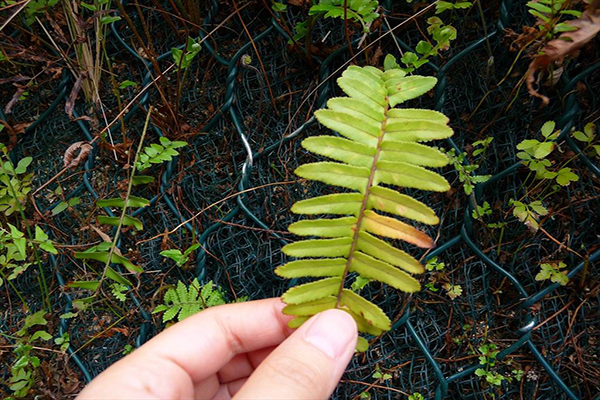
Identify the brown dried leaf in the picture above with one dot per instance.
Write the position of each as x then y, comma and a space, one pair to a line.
14, 100
59, 34
16, 78
70, 159
73, 96
106, 238
567, 43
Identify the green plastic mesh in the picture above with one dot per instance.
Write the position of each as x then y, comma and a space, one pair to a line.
244, 127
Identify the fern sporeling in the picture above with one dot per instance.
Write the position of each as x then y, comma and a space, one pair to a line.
379, 144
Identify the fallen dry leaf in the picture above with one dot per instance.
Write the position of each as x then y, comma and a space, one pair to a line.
70, 160
567, 43
70, 104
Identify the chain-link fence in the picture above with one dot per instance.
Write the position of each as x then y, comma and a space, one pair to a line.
244, 107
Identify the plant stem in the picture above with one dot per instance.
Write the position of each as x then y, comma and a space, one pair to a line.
124, 210
365, 202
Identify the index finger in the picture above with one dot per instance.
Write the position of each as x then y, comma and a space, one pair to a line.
203, 343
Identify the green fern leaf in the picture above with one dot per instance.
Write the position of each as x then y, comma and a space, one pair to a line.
378, 145
312, 291
184, 301
344, 203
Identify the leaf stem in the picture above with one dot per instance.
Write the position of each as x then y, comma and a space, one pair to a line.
364, 204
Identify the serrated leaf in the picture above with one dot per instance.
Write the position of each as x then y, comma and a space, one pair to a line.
388, 200
361, 91
340, 149
413, 153
377, 248
312, 291
355, 107
364, 308
543, 149
319, 248
311, 308
335, 174
343, 203
565, 176
394, 229
408, 88
406, 175
349, 126
383, 272
337, 227
548, 128
406, 130
297, 322
312, 268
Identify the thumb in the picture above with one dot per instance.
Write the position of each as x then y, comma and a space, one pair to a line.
308, 364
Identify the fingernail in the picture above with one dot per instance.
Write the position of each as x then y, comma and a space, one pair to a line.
332, 331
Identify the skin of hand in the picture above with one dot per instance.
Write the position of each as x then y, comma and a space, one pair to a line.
240, 351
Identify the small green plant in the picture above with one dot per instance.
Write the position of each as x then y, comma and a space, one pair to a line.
441, 34
17, 253
434, 265
518, 374
158, 153
554, 272
381, 375
416, 396
361, 11
481, 211
453, 291
528, 214
466, 172
534, 155
442, 6
552, 13
480, 147
587, 137
180, 258
119, 290
359, 283
127, 349
183, 301
183, 58
15, 183
64, 341
23, 370
489, 352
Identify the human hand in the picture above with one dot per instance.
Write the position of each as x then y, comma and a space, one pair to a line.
242, 351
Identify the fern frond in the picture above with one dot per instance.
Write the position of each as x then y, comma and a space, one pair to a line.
183, 301
378, 145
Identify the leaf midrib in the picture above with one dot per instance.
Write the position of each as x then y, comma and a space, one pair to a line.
365, 202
